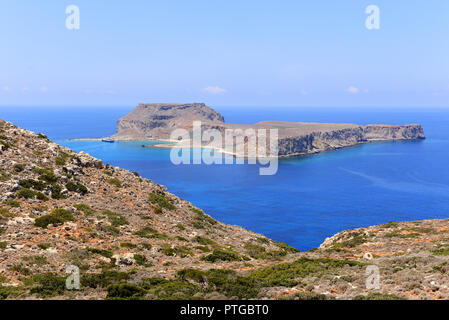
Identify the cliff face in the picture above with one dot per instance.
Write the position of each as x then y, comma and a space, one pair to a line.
157, 121
331, 140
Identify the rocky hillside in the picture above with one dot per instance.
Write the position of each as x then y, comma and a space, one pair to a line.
132, 239
157, 121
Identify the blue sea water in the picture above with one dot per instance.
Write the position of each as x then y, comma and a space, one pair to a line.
310, 198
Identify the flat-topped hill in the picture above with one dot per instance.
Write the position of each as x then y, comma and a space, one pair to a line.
158, 120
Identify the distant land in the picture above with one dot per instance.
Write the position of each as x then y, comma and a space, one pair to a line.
156, 121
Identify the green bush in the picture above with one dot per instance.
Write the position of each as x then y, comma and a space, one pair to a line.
33, 184
57, 216
47, 285
124, 291
84, 208
115, 182
62, 158
26, 193
56, 191
44, 246
19, 167
222, 255
115, 219
9, 291
286, 247
46, 175
76, 187
128, 245
103, 279
146, 232
204, 241
161, 200
378, 296
12, 203
102, 252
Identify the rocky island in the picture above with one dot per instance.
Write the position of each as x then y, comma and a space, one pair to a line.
157, 121
132, 239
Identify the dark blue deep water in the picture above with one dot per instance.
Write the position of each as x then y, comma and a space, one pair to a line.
310, 198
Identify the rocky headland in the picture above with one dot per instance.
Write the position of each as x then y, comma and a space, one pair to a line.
157, 121
132, 239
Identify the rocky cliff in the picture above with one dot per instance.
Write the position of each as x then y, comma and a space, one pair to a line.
157, 121
330, 140
132, 239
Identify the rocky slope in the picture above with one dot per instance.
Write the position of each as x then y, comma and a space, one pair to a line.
132, 239
157, 121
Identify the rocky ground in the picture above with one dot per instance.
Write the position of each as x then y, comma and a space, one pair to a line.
132, 239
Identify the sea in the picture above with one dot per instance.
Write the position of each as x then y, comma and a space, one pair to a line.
310, 198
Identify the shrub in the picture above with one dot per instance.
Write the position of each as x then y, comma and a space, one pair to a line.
56, 190
140, 259
441, 252
115, 219
124, 291
84, 208
47, 285
161, 200
287, 274
19, 167
103, 279
378, 296
62, 158
307, 296
128, 245
58, 216
5, 213
76, 187
254, 250
115, 182
41, 196
42, 136
202, 218
26, 193
286, 247
222, 255
9, 291
33, 184
204, 241
44, 246
46, 175
180, 226
102, 252
146, 232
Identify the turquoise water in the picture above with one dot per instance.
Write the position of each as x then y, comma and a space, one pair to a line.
310, 198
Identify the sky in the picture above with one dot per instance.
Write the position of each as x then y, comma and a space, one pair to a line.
225, 53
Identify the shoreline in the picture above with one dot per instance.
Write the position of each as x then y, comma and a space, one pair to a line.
171, 144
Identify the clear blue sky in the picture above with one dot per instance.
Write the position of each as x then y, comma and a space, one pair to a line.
284, 52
